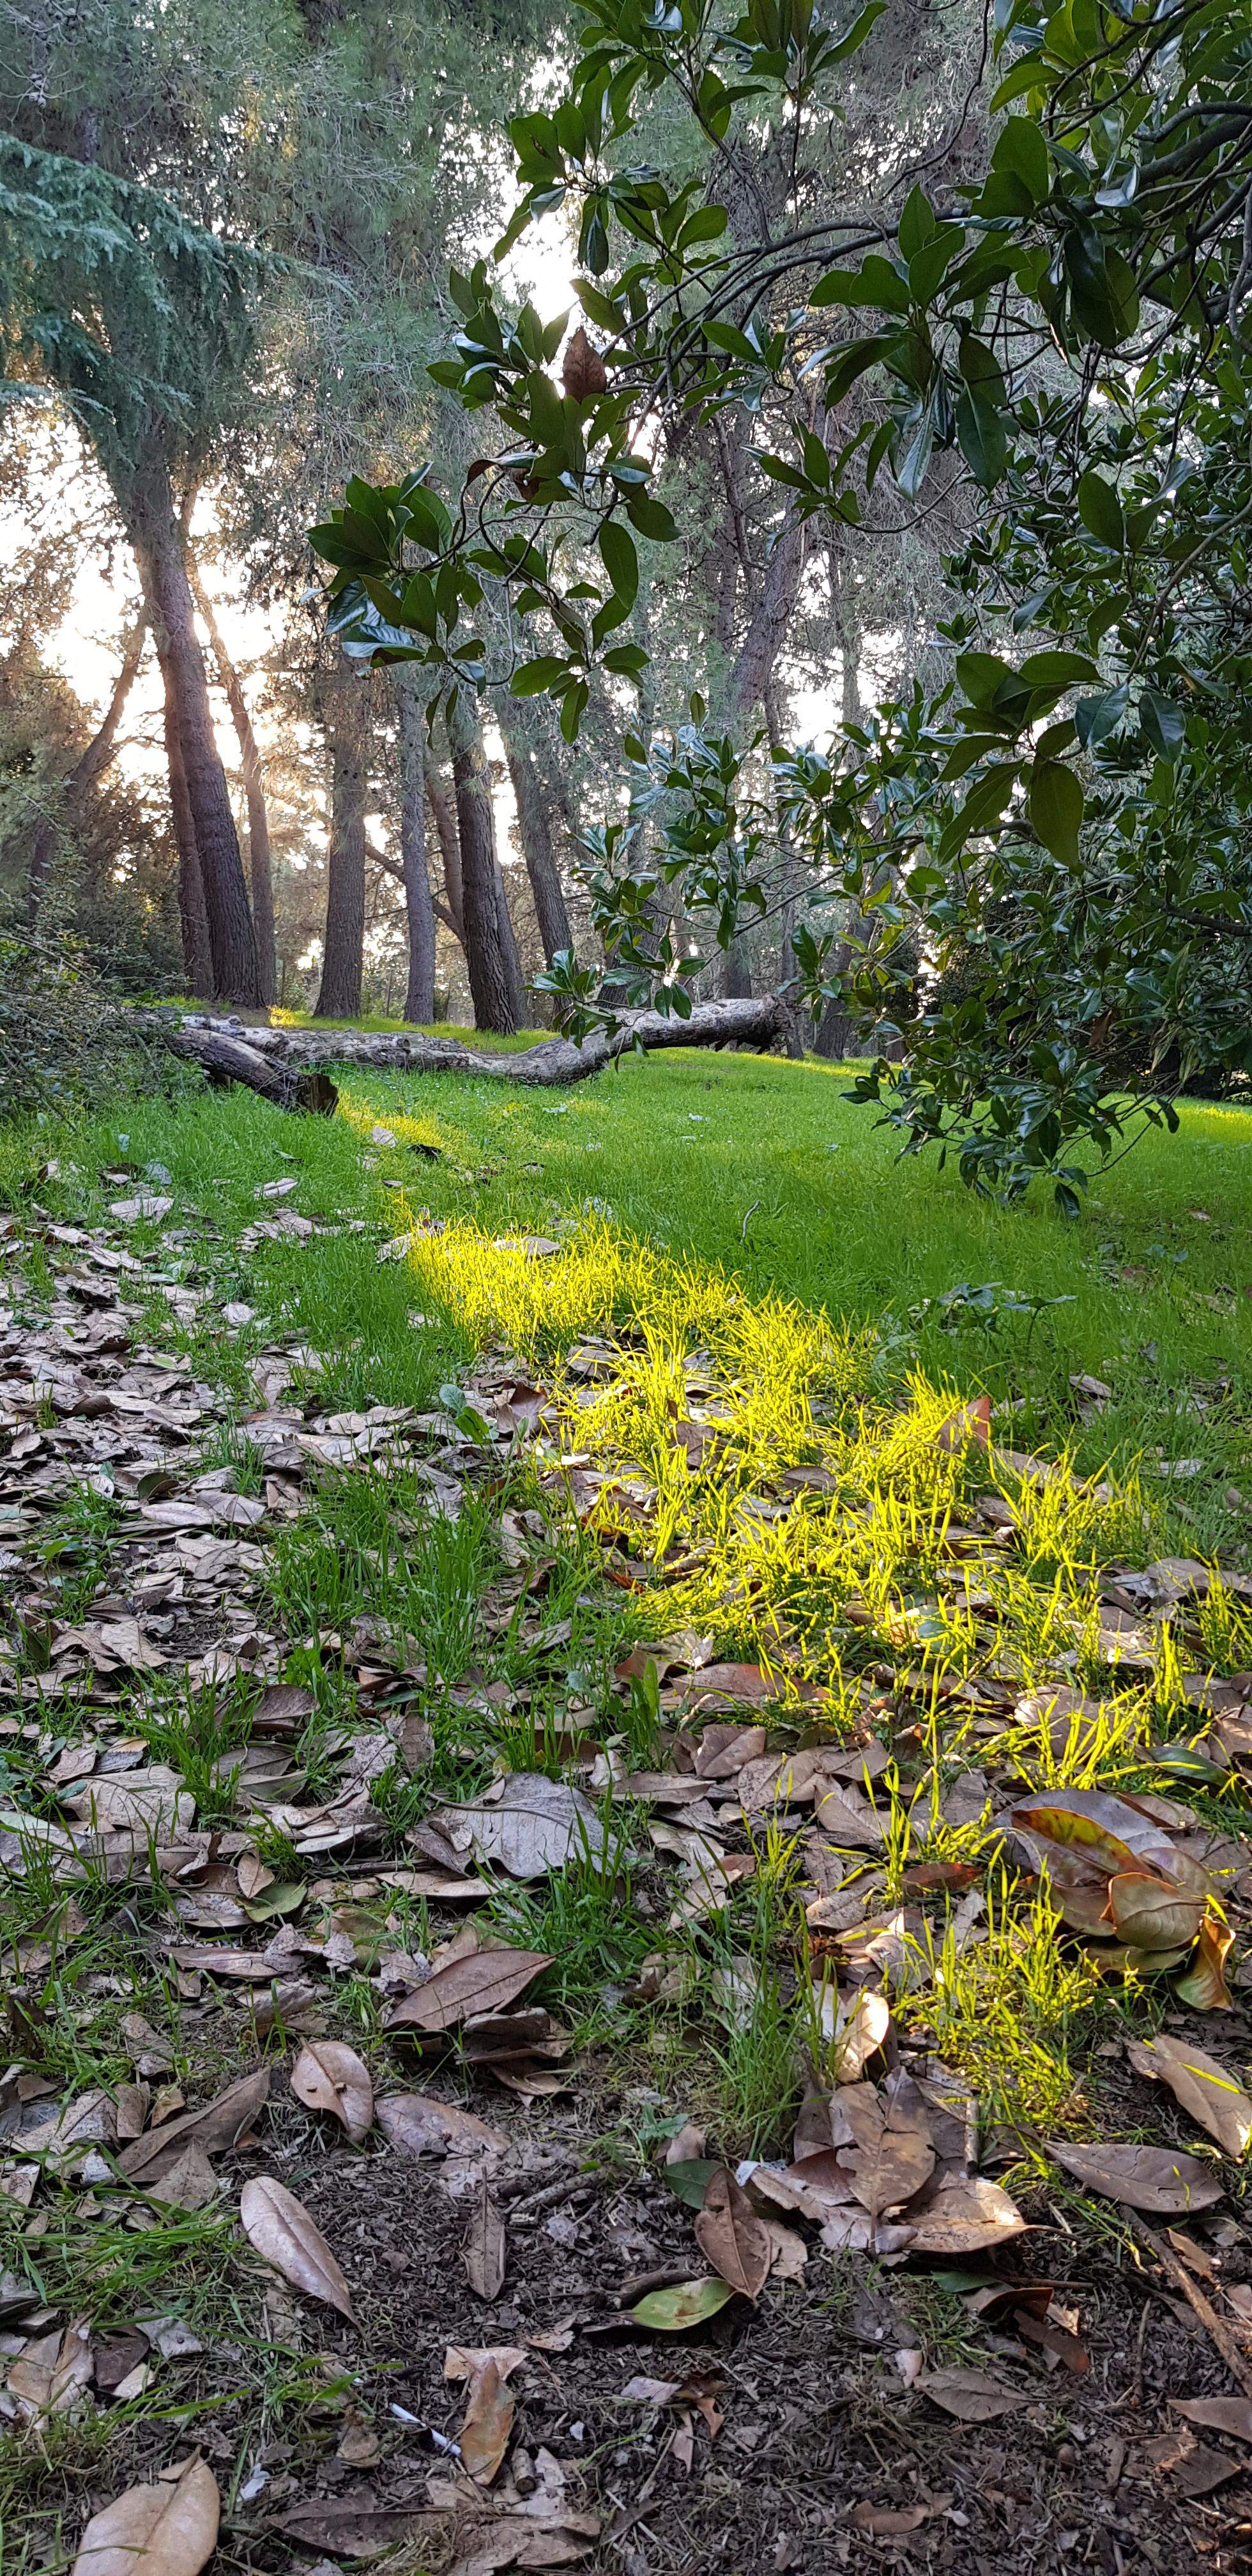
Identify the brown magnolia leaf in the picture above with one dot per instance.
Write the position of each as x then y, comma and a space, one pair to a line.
215, 2128
422, 2126
188, 2181
482, 1982
1218, 2414
169, 2529
890, 2162
973, 2396
965, 2216
485, 2247
1204, 1987
461, 2360
47, 2375
583, 373
327, 2076
1151, 1913
1208, 2091
280, 2228
487, 2424
788, 2253
731, 2236
354, 2530
883, 2522
1152, 2178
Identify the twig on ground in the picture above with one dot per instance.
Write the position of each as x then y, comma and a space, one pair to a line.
1181, 2278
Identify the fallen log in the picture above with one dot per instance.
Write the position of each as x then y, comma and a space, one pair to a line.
285, 1065
226, 1058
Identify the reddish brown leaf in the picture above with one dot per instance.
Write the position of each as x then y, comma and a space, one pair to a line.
732, 2237
583, 374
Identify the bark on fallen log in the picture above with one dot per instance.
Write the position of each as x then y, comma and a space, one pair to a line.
226, 1058
284, 1064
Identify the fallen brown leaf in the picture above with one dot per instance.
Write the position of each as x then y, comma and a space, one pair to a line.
973, 2396
422, 2126
1152, 2178
485, 2247
487, 2424
280, 2228
732, 2237
169, 2529
1218, 2414
328, 2076
215, 2128
483, 1982
1208, 2091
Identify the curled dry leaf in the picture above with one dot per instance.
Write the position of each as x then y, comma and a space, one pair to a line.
284, 2235
973, 2396
169, 2529
488, 2422
1204, 1987
732, 2237
1152, 2178
1208, 2091
482, 1982
327, 2076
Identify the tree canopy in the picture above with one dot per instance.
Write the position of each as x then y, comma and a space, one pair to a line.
1061, 817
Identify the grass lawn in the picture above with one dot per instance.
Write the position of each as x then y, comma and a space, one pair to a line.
682, 1360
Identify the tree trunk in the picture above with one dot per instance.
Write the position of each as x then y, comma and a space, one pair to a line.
87, 769
419, 1000
153, 528
443, 809
260, 869
535, 836
339, 997
485, 952
193, 917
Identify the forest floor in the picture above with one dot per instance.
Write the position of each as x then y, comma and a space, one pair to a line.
626, 1847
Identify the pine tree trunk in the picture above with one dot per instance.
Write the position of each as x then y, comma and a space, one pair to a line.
153, 528
193, 918
339, 997
419, 1000
485, 954
443, 809
534, 833
260, 869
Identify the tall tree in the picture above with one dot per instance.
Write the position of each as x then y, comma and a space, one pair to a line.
339, 995
260, 865
492, 971
534, 831
419, 1000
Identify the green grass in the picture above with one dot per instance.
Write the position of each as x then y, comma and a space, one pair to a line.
486, 1041
736, 1215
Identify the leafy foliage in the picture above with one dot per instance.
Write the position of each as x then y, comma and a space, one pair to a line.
1067, 810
